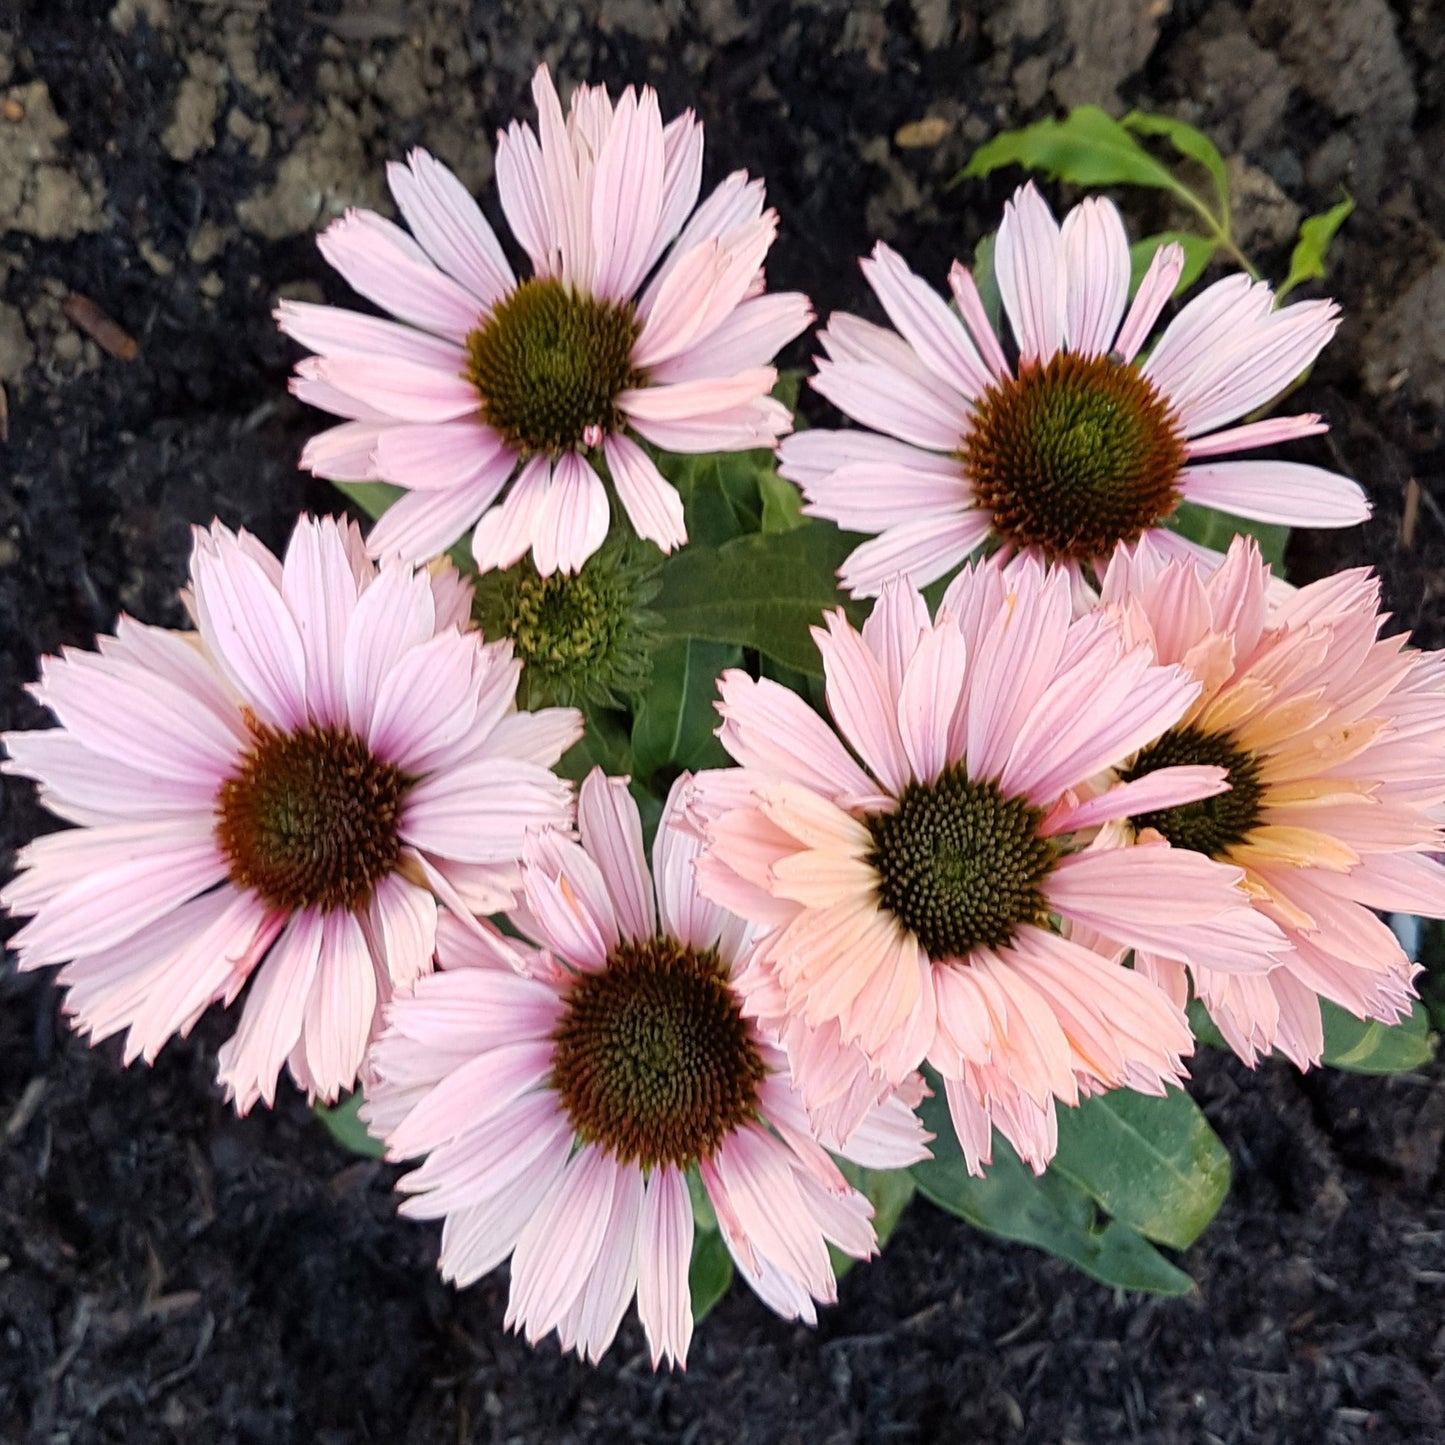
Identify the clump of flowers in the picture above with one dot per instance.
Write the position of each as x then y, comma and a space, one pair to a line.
939, 897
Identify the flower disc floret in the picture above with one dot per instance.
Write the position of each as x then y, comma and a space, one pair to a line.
549, 364
1208, 825
959, 864
1074, 456
654, 1060
310, 820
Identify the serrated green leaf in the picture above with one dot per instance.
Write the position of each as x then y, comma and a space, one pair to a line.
1188, 142
709, 1274
344, 1125
1365, 1046
1153, 1164
1198, 253
762, 591
782, 503
1218, 529
1051, 1212
1087, 148
675, 722
1307, 260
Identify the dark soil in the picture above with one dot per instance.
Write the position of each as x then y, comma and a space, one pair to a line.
169, 1273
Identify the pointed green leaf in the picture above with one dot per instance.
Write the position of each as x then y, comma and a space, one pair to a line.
1307, 260
344, 1125
985, 277
1198, 252
1153, 1164
372, 497
1188, 142
1087, 147
1365, 1046
710, 1273
676, 720
762, 591
1051, 1212
782, 503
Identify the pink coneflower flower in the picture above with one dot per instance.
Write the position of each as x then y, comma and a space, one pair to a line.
910, 907
1333, 740
282, 797
642, 317
565, 1096
1079, 445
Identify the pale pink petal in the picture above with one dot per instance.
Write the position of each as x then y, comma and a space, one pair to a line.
271, 1022
571, 519
422, 524
627, 194
479, 812
891, 401
393, 615
1029, 262
1256, 434
519, 185
975, 318
340, 1008
1288, 492
664, 1253
406, 919
611, 830
1155, 289
504, 534
450, 226
894, 629
249, 629
1096, 268
591, 1324
403, 390
871, 497
319, 586
1163, 788
436, 457
751, 335
922, 551
685, 400
386, 266
931, 693
328, 330
426, 703
859, 700
342, 453
652, 503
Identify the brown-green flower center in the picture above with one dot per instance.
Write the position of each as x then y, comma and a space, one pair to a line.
654, 1061
1074, 456
311, 819
549, 364
960, 865
1210, 825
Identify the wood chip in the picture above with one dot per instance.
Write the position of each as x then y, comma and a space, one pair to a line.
81, 311
919, 134
11, 109
1411, 513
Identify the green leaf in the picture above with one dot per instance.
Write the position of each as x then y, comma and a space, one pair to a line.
782, 503
347, 1129
1050, 1213
1087, 147
719, 490
1188, 142
1153, 1164
1307, 260
372, 497
1218, 529
675, 721
710, 1273
1198, 252
1365, 1046
761, 591
605, 744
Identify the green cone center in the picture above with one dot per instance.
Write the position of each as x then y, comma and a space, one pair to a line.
654, 1061
960, 865
549, 364
311, 820
1210, 825
1074, 456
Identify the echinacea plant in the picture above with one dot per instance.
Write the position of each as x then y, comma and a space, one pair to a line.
672, 912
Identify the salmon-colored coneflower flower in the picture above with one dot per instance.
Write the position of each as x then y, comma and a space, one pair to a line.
279, 798
1333, 740
642, 318
1078, 445
564, 1096
919, 906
